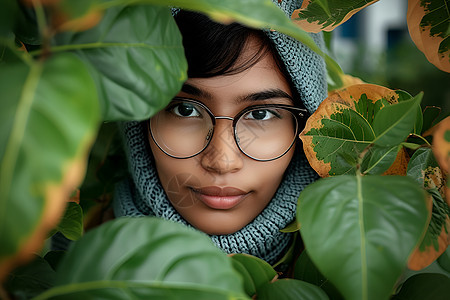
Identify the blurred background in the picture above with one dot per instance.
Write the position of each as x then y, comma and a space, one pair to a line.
375, 46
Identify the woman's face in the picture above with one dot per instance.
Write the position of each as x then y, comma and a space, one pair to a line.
221, 190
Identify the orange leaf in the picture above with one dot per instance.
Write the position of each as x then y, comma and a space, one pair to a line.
336, 102
421, 259
400, 165
441, 150
441, 144
308, 18
347, 80
421, 33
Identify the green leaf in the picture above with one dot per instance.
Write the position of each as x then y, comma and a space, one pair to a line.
421, 166
291, 227
349, 224
405, 96
394, 123
288, 289
425, 286
255, 271
444, 260
71, 224
430, 115
251, 13
136, 58
145, 258
49, 117
8, 11
31, 280
378, 159
26, 28
249, 284
411, 146
305, 270
107, 166
54, 257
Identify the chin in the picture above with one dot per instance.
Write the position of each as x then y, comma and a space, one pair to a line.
218, 227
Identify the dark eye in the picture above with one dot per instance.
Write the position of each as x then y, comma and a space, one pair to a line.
260, 114
185, 110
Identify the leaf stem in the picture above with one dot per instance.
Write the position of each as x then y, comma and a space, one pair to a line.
362, 237
95, 45
126, 285
40, 16
420, 137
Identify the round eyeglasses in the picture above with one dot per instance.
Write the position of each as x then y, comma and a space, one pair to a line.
262, 132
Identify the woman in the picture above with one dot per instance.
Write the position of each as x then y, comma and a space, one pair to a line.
222, 157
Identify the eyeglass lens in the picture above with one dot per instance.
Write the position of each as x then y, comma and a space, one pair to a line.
184, 129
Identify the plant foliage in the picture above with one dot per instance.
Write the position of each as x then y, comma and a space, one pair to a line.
67, 66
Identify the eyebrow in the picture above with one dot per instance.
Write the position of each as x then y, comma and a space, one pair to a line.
195, 91
256, 96
266, 95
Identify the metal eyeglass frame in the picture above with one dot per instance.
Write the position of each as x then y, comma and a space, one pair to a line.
298, 113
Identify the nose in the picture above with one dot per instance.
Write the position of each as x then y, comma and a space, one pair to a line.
222, 154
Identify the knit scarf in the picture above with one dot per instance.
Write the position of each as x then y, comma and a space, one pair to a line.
143, 195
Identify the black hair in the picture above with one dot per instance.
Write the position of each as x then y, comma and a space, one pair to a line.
213, 49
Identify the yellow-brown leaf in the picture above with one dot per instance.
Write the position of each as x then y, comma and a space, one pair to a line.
335, 19
421, 259
423, 38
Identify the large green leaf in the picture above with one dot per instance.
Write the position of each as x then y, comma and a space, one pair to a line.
360, 230
318, 15
255, 272
145, 258
291, 289
425, 286
444, 260
252, 13
136, 59
430, 115
49, 118
71, 224
305, 270
354, 118
8, 11
425, 170
30, 280
394, 123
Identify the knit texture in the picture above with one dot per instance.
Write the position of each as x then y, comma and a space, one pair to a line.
307, 68
143, 195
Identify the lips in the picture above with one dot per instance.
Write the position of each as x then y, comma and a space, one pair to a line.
220, 197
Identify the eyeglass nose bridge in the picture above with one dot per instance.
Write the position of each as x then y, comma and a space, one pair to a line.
223, 117
211, 131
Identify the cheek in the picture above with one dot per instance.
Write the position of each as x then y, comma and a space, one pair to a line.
168, 168
270, 174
